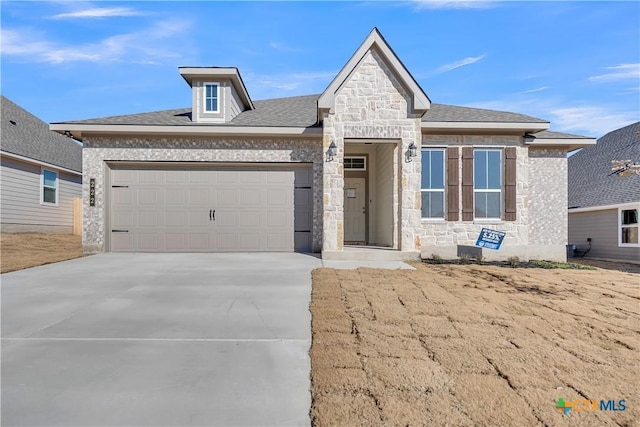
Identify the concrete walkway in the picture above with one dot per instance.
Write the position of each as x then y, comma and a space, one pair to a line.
158, 339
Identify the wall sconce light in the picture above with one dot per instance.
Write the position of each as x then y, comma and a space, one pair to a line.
332, 151
411, 152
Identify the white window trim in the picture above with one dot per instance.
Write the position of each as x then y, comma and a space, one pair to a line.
357, 157
42, 202
204, 97
620, 225
430, 190
489, 190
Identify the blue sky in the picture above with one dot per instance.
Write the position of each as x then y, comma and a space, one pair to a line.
576, 64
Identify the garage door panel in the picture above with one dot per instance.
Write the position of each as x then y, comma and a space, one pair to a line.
199, 197
226, 197
122, 242
176, 242
249, 219
249, 196
149, 219
172, 210
200, 242
123, 219
150, 197
226, 242
199, 219
152, 177
149, 241
176, 219
175, 196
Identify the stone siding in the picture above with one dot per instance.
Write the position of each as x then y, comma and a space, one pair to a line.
548, 194
372, 104
540, 228
450, 234
98, 150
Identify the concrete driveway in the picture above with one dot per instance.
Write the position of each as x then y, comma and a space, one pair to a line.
158, 339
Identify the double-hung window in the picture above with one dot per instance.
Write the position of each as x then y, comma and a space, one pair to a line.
487, 183
628, 227
211, 97
49, 189
432, 187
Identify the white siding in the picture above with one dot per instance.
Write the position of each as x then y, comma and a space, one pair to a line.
384, 194
234, 105
20, 196
602, 228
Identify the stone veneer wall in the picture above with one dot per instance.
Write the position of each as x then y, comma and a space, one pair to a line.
372, 104
548, 191
98, 150
443, 237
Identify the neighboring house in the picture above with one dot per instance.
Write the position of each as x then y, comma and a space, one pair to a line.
369, 162
40, 174
604, 204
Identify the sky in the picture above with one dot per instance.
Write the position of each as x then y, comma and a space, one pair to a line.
576, 64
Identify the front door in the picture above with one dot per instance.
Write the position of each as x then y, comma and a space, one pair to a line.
355, 203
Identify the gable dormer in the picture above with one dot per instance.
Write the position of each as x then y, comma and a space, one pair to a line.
218, 93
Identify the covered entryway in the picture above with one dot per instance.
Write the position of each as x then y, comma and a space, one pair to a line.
196, 208
369, 193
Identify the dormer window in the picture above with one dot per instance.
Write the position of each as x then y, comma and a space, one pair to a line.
212, 97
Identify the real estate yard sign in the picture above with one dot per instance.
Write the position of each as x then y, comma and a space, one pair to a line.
490, 239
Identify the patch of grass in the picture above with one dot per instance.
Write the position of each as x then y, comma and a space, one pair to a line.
562, 265
513, 262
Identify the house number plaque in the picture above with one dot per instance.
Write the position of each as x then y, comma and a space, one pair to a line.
92, 192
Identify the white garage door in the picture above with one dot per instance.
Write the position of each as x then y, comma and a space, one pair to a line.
201, 210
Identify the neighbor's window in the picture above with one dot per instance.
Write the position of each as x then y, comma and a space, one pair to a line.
487, 183
629, 227
211, 97
432, 186
49, 186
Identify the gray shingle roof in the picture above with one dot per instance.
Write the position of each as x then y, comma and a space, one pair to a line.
299, 111
548, 134
590, 179
26, 135
452, 113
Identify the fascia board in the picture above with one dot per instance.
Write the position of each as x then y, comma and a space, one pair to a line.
484, 126
605, 207
38, 162
79, 129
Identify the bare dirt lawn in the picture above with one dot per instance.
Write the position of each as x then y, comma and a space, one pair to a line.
473, 345
24, 250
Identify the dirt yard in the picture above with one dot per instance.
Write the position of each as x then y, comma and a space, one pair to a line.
464, 345
24, 250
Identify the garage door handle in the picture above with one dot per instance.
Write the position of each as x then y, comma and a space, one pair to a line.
214, 214
210, 214
119, 231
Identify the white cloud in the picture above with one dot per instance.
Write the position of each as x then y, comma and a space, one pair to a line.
461, 63
594, 119
302, 83
98, 12
282, 47
145, 46
539, 89
618, 72
447, 4
589, 120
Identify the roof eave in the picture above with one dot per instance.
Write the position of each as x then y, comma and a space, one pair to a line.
484, 127
81, 130
567, 143
39, 162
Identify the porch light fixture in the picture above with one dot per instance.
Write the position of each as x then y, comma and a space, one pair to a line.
411, 152
332, 151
